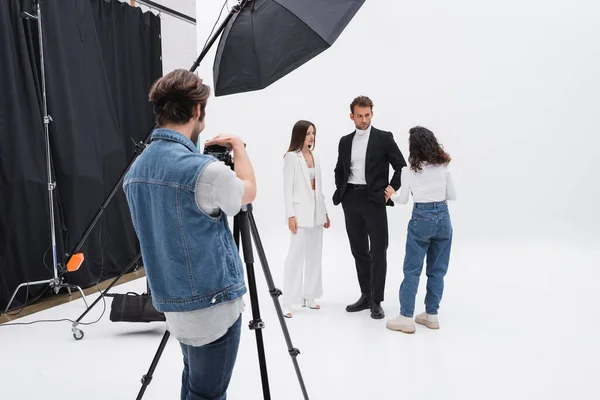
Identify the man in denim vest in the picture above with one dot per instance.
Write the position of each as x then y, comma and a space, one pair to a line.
179, 201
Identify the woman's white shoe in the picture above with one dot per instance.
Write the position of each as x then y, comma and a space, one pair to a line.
429, 320
310, 303
402, 324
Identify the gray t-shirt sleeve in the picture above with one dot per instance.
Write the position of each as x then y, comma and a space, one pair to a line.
219, 188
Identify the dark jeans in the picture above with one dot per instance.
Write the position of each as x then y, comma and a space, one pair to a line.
207, 369
429, 234
366, 223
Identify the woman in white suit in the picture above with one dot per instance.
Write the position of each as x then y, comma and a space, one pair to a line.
306, 216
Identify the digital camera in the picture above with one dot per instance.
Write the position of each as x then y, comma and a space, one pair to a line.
220, 153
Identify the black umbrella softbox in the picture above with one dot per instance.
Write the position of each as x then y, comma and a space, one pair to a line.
268, 39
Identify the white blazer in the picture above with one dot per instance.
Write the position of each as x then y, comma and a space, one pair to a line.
309, 209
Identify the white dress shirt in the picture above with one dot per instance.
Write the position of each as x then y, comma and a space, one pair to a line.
432, 184
359, 156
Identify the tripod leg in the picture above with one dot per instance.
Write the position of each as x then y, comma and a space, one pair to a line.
256, 324
236, 231
275, 293
146, 379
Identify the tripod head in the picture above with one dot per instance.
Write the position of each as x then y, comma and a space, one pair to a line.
221, 153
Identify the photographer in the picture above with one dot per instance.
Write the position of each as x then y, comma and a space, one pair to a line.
179, 201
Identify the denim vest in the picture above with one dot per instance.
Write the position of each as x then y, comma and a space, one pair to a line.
190, 257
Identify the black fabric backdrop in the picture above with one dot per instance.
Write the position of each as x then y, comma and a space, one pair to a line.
101, 57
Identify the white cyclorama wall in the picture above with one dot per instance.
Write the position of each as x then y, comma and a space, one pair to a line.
178, 37
511, 89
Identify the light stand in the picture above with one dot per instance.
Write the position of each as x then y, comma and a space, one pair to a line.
56, 283
78, 333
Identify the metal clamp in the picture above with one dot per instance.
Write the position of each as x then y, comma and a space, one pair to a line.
258, 324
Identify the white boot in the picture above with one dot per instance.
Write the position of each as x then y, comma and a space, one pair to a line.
430, 321
287, 310
402, 324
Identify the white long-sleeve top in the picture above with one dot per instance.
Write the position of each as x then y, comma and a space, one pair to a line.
432, 184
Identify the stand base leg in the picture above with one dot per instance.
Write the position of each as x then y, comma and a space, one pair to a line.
26, 284
52, 284
78, 333
82, 295
69, 287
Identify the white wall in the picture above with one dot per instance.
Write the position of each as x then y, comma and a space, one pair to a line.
178, 37
511, 88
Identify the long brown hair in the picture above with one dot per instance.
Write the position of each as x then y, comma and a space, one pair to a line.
299, 133
424, 148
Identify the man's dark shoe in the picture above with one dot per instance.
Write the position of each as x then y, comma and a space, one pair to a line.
377, 311
364, 303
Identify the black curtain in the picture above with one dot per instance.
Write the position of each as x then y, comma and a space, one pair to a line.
24, 212
100, 57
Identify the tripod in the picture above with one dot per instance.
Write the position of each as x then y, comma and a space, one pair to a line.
56, 282
245, 225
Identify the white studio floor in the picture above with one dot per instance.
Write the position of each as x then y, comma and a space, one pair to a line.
517, 322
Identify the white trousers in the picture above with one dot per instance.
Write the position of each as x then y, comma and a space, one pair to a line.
303, 261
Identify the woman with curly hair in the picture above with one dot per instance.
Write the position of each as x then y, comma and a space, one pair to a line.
429, 230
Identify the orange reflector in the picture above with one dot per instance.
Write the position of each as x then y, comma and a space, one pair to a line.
75, 262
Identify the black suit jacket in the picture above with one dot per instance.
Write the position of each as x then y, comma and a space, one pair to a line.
382, 151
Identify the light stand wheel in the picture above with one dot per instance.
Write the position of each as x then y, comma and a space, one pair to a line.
78, 334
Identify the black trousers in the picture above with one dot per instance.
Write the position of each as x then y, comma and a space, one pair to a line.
367, 228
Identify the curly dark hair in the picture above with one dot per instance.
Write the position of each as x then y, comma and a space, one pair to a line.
424, 148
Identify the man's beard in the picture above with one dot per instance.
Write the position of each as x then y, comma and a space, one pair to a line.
195, 136
196, 133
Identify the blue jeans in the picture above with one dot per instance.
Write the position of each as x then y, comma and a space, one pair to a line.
207, 369
429, 234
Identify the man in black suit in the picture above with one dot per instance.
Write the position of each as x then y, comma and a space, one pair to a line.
361, 176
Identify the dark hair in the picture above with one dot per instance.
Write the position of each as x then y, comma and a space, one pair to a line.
175, 95
299, 133
361, 101
424, 148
